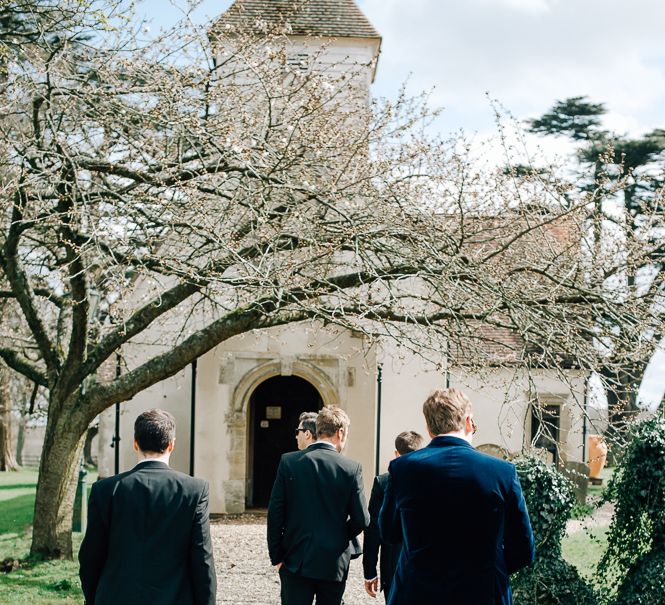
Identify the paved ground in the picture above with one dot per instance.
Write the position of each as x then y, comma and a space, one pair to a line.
244, 573
601, 517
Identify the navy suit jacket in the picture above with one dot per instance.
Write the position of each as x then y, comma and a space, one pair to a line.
462, 519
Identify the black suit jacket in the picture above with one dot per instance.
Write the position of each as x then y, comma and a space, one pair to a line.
317, 505
148, 540
372, 544
463, 522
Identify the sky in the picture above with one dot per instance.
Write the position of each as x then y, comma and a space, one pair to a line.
525, 54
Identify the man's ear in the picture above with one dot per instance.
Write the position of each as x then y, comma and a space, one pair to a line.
136, 446
397, 454
170, 446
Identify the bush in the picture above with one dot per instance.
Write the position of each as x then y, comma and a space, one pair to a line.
550, 580
635, 557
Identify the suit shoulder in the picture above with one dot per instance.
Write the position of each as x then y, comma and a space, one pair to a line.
502, 467
382, 480
397, 464
106, 484
289, 457
352, 466
195, 483
332, 457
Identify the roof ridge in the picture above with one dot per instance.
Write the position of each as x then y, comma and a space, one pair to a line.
334, 18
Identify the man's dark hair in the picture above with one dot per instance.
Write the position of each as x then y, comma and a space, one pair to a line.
307, 421
408, 441
154, 430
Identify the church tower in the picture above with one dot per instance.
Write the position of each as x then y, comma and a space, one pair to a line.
320, 34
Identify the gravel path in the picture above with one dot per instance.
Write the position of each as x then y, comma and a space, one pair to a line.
244, 573
601, 517
245, 576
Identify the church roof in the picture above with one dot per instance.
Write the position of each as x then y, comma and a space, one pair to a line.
330, 18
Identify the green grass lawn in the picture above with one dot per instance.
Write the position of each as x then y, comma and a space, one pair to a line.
584, 549
34, 582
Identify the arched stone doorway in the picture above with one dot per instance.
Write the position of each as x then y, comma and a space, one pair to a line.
274, 408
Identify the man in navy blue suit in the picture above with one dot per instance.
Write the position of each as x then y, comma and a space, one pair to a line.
460, 515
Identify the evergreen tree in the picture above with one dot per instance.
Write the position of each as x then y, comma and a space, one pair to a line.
637, 165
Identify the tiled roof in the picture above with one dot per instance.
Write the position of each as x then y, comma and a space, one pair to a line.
331, 18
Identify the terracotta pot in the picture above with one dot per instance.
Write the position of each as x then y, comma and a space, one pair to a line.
597, 455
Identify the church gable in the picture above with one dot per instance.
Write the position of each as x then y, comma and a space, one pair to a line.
328, 18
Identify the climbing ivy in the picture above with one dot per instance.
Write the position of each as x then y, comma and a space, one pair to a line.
634, 562
550, 580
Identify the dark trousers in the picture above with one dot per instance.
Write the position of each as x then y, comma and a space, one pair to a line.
297, 590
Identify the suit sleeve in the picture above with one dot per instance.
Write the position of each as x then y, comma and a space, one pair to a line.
201, 562
390, 522
518, 544
372, 542
277, 516
94, 548
358, 516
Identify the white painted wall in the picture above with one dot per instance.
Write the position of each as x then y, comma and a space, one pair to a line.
500, 399
350, 366
407, 381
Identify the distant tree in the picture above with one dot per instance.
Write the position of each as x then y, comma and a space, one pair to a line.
574, 117
636, 167
7, 458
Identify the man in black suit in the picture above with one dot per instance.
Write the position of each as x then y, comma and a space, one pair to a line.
460, 515
306, 431
148, 537
405, 442
316, 507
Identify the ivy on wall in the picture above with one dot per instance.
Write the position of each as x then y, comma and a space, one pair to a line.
633, 566
550, 580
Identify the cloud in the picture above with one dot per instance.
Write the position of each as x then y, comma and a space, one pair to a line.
527, 53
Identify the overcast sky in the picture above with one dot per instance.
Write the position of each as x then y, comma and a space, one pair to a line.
525, 53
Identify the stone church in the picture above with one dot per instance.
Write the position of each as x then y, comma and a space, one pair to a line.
238, 405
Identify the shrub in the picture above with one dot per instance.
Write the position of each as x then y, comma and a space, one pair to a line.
635, 557
550, 580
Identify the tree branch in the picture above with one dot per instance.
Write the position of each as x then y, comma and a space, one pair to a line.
20, 284
138, 322
160, 367
78, 284
24, 366
42, 292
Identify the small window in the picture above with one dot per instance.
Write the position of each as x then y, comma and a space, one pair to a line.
298, 61
546, 428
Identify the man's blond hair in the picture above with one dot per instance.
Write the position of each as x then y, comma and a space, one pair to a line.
330, 420
446, 410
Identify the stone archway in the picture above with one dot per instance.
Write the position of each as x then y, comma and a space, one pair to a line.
238, 418
303, 369
273, 412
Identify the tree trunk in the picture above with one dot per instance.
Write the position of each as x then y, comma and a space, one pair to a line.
56, 487
621, 387
20, 440
7, 460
